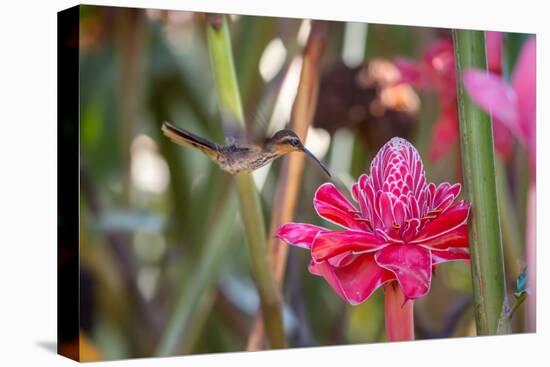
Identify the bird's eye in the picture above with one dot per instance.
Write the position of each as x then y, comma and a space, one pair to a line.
294, 142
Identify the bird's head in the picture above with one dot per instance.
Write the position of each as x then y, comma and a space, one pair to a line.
286, 141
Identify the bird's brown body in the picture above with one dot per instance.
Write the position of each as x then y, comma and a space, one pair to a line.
233, 158
236, 157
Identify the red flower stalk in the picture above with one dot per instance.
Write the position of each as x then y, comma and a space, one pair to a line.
399, 230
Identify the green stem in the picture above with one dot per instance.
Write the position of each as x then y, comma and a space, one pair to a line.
398, 314
193, 291
476, 137
219, 45
511, 235
523, 180
221, 60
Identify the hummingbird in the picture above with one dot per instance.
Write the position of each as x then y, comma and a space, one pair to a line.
235, 157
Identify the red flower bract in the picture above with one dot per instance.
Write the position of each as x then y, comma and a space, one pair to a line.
436, 71
400, 229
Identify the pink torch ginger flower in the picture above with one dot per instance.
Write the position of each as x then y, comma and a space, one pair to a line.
399, 230
512, 106
436, 71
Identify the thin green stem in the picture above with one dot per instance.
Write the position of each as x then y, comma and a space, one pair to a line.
223, 68
476, 137
193, 292
219, 45
511, 235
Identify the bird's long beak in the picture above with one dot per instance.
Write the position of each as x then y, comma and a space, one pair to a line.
305, 150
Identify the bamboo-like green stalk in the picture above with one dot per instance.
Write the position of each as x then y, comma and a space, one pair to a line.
476, 138
221, 58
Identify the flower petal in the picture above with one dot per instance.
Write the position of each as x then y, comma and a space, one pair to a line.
503, 139
412, 73
457, 238
299, 234
331, 205
342, 259
386, 209
445, 194
453, 254
524, 81
356, 281
412, 266
411, 229
445, 133
449, 220
493, 41
492, 94
314, 268
332, 243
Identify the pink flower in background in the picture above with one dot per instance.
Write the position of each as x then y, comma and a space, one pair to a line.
493, 43
400, 228
436, 71
512, 106
502, 136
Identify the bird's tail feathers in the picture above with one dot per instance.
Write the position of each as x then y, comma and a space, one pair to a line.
188, 139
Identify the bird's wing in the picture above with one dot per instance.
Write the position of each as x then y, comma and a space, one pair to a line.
188, 139
235, 133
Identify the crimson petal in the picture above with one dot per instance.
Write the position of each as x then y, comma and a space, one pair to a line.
454, 217
299, 234
451, 254
445, 133
412, 266
356, 281
314, 267
457, 238
342, 259
331, 243
331, 205
493, 41
445, 194
412, 73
